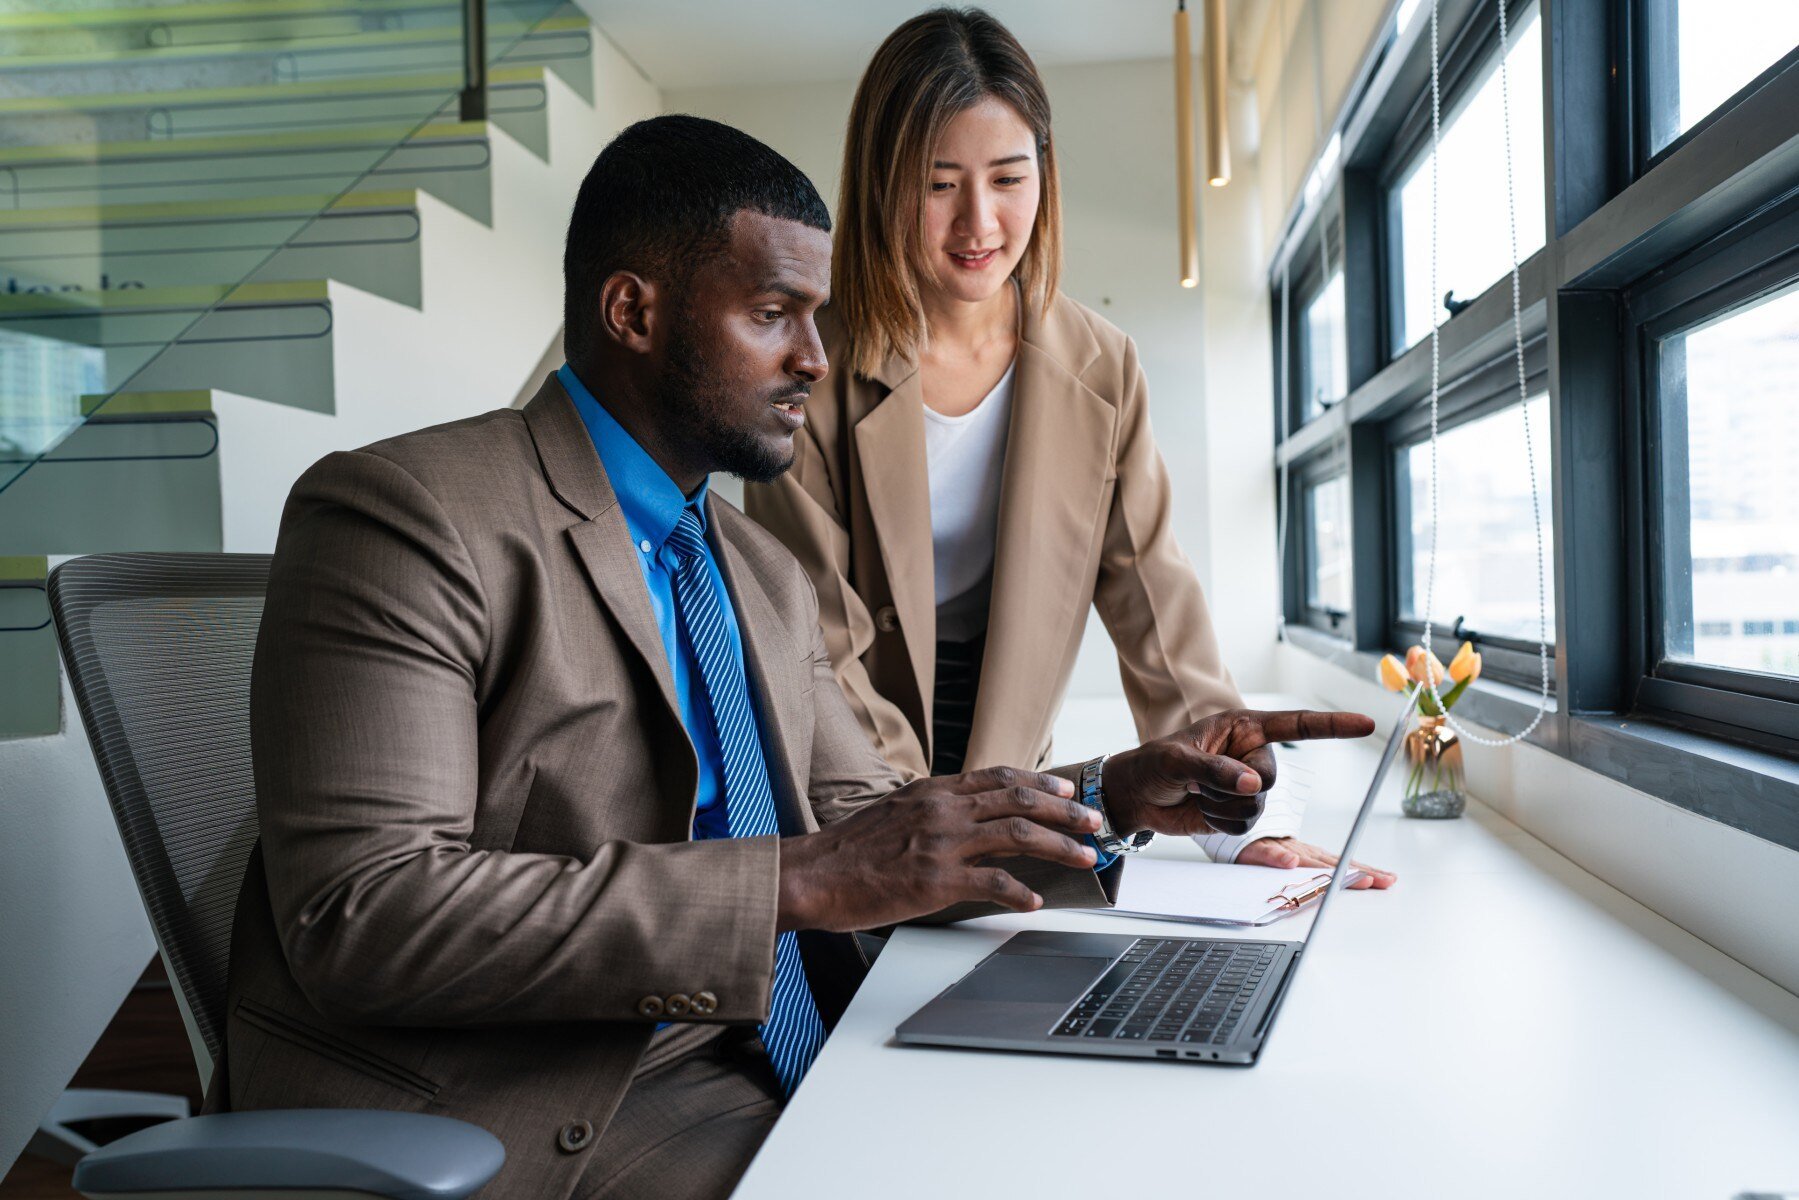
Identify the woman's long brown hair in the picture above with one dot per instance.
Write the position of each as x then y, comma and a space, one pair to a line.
928, 71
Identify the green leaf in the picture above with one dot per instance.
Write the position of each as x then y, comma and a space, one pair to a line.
1455, 693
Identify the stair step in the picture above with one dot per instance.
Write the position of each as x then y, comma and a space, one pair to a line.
367, 239
563, 43
267, 340
113, 28
516, 102
448, 159
31, 701
141, 472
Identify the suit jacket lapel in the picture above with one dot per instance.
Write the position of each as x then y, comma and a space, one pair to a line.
773, 665
1058, 463
601, 541
890, 448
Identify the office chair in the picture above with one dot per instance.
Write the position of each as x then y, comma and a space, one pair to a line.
158, 649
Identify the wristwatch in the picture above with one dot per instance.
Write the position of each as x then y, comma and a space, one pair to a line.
1093, 795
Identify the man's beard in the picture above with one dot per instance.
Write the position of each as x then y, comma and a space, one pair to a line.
696, 412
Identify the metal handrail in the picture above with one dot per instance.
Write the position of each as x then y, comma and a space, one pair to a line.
474, 60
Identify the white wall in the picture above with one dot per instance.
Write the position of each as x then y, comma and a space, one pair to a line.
1114, 130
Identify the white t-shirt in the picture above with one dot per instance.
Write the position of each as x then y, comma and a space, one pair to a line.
964, 457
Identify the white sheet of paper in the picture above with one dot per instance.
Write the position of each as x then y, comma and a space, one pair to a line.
1226, 893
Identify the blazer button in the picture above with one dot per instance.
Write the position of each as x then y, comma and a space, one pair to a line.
678, 1004
575, 1136
887, 618
704, 1004
650, 1006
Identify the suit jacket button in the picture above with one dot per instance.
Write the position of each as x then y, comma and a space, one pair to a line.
575, 1136
650, 1006
678, 1004
887, 618
704, 1004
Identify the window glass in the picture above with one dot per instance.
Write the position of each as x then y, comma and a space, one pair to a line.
1487, 547
1733, 578
1705, 51
1474, 243
1325, 353
1327, 526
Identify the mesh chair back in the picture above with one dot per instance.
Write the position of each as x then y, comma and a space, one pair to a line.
158, 649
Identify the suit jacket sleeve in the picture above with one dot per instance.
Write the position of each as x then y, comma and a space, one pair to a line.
366, 742
1147, 593
801, 509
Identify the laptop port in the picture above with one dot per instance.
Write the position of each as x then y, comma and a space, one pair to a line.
1164, 1054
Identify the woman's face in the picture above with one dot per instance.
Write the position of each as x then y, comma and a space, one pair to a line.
981, 201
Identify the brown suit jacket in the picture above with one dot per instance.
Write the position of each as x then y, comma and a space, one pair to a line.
476, 795
1085, 519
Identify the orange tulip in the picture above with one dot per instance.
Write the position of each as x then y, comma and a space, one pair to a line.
1415, 660
1465, 664
1392, 673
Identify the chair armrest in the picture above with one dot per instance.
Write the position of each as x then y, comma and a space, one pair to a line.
398, 1155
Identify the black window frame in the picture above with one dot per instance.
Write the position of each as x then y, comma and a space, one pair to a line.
1618, 222
1328, 464
1651, 49
1306, 281
1756, 260
1488, 389
1462, 56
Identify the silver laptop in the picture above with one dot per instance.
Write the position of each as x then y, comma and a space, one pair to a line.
1209, 1000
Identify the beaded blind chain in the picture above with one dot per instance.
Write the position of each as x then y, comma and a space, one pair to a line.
1436, 380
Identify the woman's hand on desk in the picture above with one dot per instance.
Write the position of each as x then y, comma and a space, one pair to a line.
1213, 775
1291, 852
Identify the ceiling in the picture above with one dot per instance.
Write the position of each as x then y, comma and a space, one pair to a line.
707, 43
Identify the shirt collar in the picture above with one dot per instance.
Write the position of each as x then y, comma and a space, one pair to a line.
651, 501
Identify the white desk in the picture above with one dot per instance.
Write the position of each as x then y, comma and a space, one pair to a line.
1499, 1024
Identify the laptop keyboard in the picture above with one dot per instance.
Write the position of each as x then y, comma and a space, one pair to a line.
1172, 990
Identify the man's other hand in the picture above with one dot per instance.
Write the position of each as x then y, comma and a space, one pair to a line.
1214, 775
1291, 852
921, 849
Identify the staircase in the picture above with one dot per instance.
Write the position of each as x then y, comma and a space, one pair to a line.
236, 235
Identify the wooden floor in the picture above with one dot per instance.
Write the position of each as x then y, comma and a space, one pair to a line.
143, 1050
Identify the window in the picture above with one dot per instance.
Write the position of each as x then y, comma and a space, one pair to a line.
1730, 505
1474, 241
1700, 53
1327, 545
1324, 354
1486, 568
1668, 307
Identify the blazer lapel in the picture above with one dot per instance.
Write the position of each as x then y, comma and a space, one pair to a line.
772, 663
891, 451
601, 541
1058, 463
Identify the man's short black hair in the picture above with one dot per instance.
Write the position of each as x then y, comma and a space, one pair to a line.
659, 200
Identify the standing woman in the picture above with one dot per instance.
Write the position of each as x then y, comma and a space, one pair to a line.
977, 468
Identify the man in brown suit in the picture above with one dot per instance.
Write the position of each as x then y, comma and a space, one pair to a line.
524, 690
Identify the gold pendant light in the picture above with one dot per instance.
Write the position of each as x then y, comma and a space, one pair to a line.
1183, 141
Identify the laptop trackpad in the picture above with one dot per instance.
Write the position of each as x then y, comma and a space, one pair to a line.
1030, 978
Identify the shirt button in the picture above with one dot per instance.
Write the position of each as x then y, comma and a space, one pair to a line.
645, 546
887, 618
575, 1136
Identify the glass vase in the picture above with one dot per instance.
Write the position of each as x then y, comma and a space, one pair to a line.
1433, 784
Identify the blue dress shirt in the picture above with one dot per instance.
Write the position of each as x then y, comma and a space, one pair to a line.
652, 503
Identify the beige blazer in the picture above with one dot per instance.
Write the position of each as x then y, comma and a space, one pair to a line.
475, 891
1084, 520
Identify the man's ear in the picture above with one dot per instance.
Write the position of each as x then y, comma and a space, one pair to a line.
629, 308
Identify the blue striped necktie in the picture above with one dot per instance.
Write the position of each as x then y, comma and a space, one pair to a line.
793, 1032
